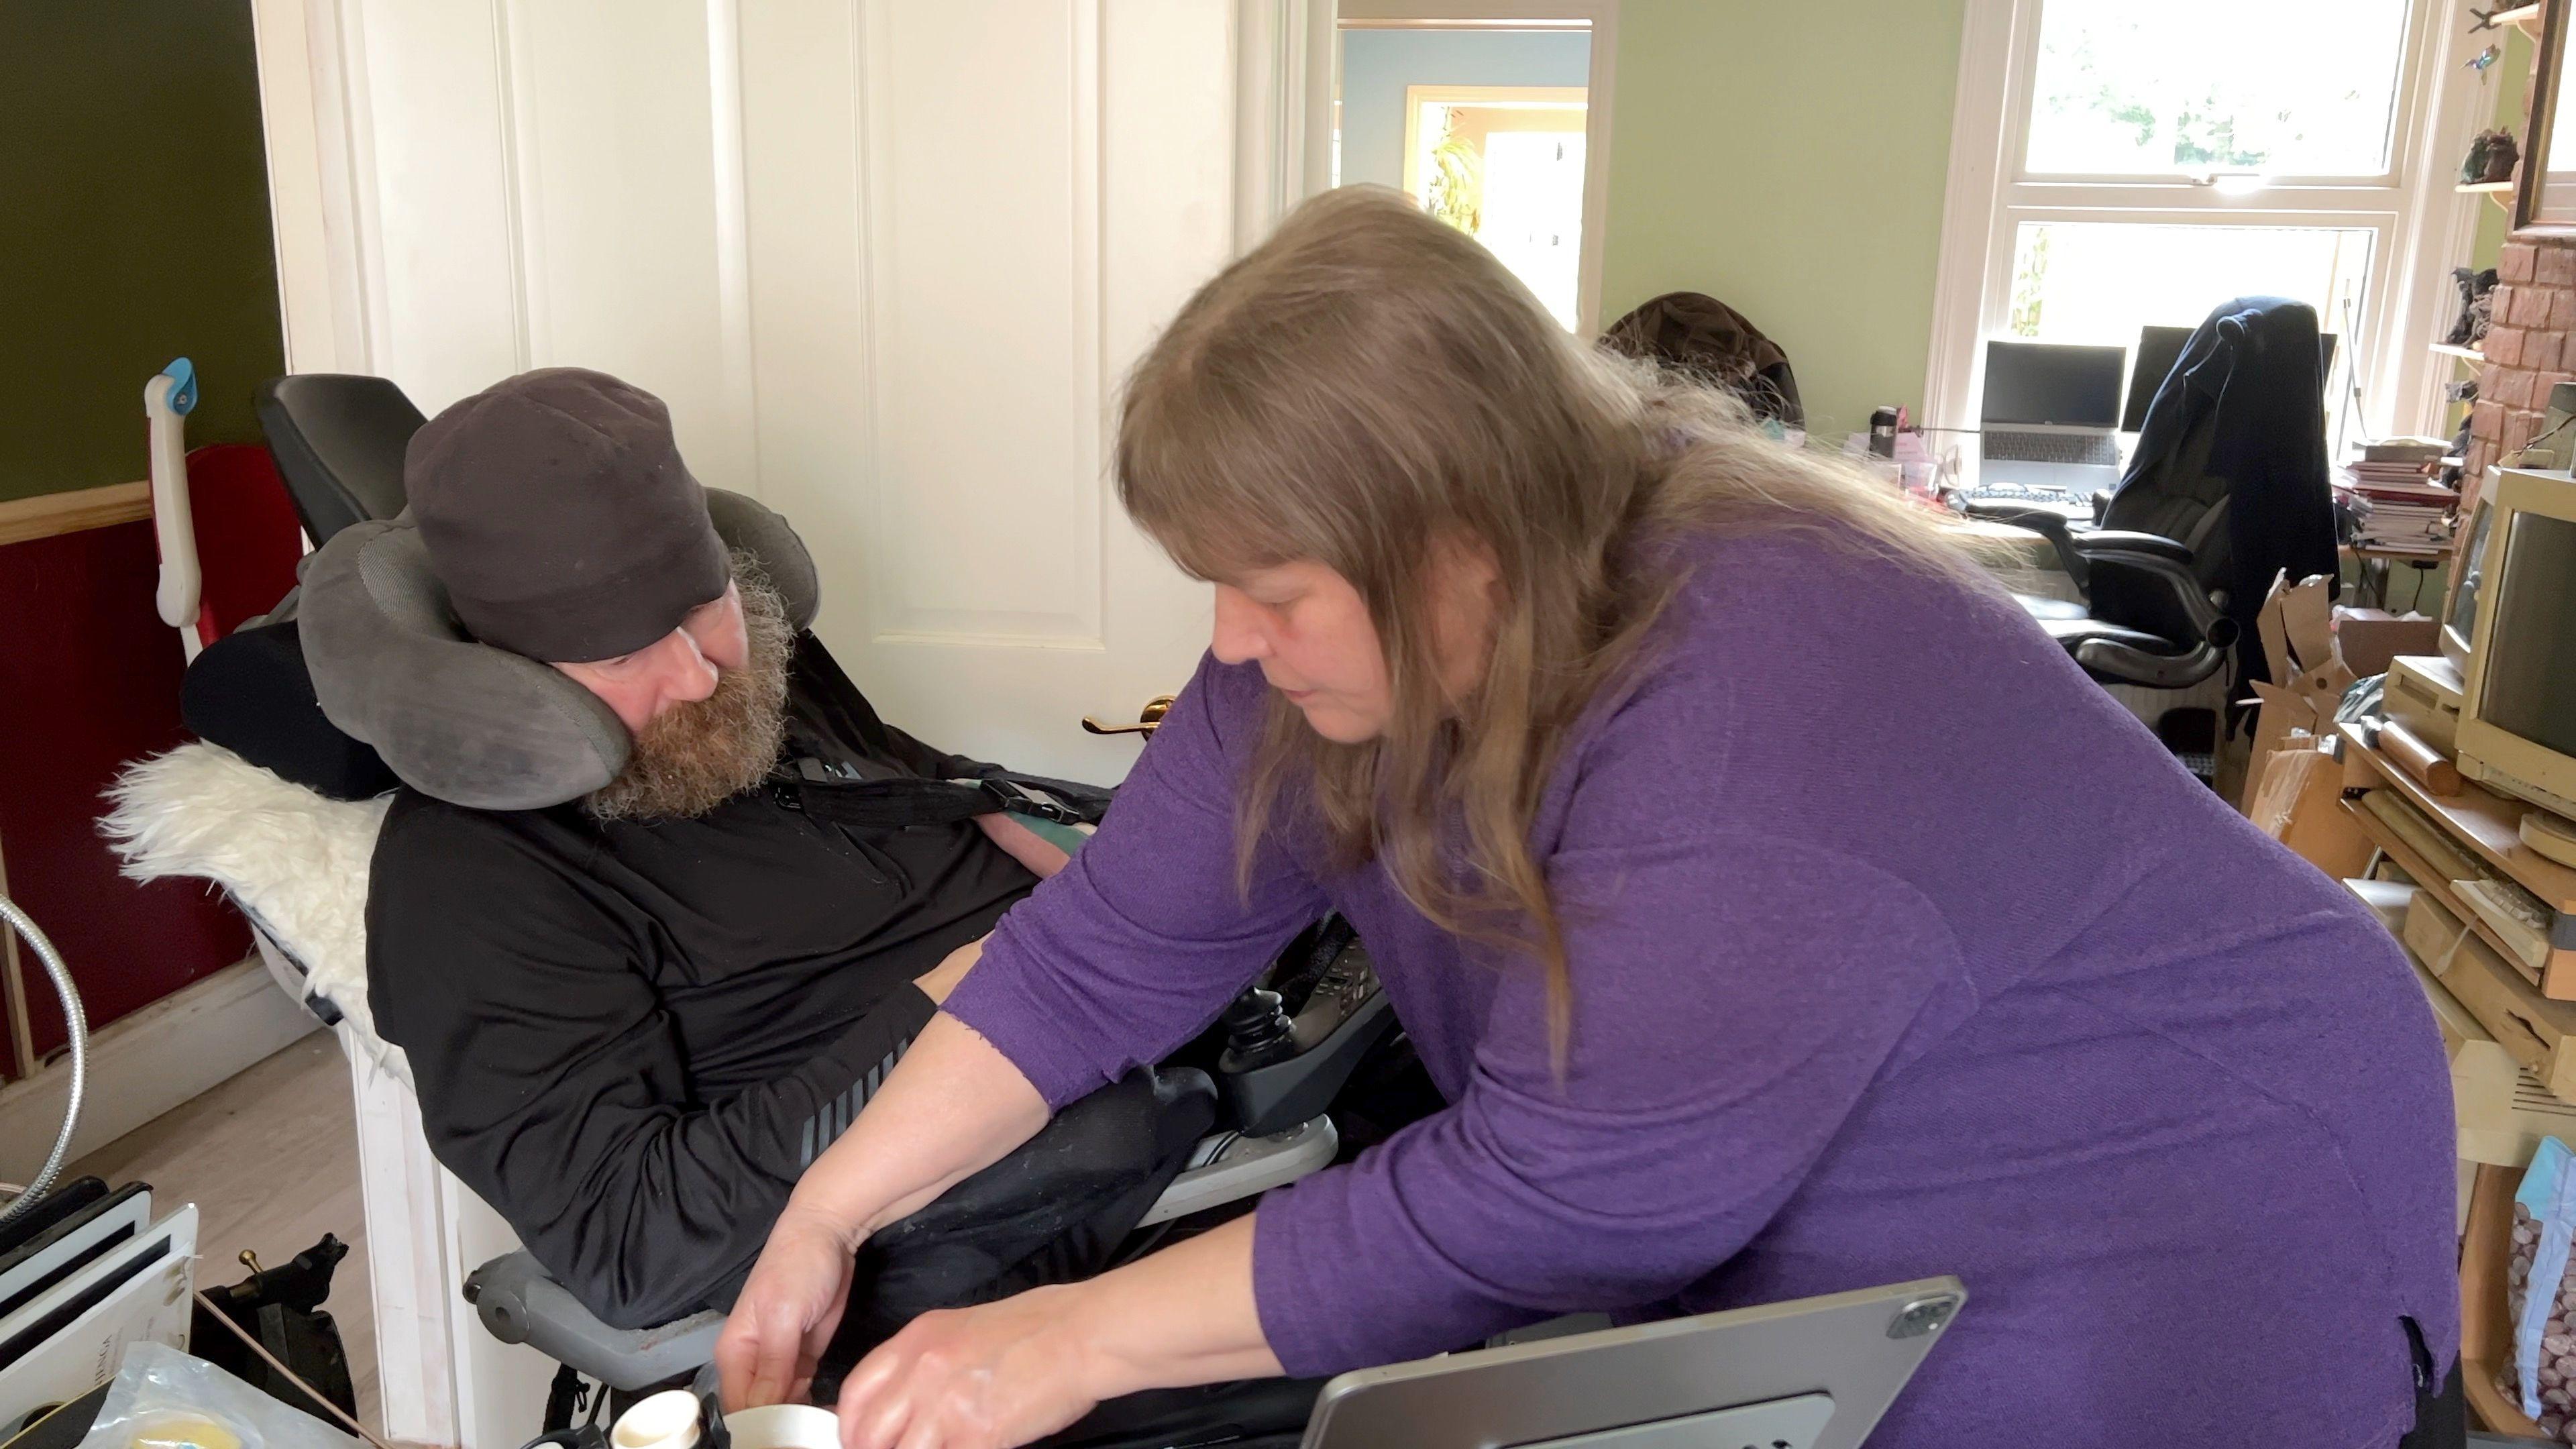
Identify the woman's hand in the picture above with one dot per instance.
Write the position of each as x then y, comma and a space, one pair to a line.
1008, 1372
787, 1311
974, 1378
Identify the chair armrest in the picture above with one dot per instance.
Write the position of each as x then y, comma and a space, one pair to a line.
521, 1303
2169, 563
2095, 542
2048, 523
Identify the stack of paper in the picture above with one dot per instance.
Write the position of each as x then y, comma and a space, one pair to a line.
2407, 508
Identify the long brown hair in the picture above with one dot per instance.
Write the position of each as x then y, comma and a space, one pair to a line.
1368, 381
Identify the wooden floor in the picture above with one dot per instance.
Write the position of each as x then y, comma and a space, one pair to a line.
270, 1158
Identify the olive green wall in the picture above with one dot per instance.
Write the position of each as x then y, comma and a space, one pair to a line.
1789, 160
133, 229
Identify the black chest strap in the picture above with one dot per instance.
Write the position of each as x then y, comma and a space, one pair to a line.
835, 792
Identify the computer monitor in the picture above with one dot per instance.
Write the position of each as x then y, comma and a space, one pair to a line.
2518, 710
2159, 348
2049, 384
2460, 624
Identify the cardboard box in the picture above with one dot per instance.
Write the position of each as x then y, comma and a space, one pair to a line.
2296, 627
2300, 805
2366, 639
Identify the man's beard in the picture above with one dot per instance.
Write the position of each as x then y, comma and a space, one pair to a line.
698, 755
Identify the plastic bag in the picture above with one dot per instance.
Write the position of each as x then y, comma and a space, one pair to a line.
2539, 1298
163, 1399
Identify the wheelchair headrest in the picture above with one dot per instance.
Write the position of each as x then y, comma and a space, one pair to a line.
339, 443
462, 721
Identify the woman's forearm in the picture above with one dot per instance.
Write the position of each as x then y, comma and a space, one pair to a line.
952, 1107
1179, 1317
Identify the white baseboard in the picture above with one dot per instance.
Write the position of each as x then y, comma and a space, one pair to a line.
147, 1062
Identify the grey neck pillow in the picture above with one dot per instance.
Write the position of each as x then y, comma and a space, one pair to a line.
461, 720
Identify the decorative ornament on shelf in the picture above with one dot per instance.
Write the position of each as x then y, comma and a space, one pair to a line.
2502, 156
2477, 306
2492, 156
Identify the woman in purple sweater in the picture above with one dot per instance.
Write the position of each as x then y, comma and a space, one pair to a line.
1778, 910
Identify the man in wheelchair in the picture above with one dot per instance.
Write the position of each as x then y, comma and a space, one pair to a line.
634, 1017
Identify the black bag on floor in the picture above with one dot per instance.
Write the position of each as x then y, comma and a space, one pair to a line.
282, 1309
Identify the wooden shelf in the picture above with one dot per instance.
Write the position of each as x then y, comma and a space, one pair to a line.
2487, 188
2465, 354
2430, 882
2487, 823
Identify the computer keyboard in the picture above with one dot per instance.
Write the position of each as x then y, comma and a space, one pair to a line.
2093, 449
2520, 919
2023, 493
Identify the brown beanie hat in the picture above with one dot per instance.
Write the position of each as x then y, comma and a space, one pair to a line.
556, 510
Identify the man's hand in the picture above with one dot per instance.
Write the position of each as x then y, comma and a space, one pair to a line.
974, 1378
787, 1311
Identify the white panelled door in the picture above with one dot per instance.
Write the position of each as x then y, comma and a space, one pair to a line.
966, 220
887, 260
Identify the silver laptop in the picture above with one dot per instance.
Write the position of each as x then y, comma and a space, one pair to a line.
1813, 1374
2051, 417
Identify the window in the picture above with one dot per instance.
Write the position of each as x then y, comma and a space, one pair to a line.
2119, 166
1504, 164
2176, 88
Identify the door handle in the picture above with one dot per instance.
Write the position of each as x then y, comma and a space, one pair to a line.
1147, 719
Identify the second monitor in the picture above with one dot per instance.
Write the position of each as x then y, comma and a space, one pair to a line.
2159, 348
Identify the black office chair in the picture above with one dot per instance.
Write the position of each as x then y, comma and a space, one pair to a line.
339, 443
2151, 614
2226, 490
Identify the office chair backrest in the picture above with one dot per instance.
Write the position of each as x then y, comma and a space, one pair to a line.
2232, 465
339, 443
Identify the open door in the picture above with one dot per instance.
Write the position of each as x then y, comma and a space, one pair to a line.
887, 263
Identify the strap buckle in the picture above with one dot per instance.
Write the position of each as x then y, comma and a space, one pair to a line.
1020, 800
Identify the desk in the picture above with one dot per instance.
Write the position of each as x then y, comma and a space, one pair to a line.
2488, 826
2375, 561
2485, 825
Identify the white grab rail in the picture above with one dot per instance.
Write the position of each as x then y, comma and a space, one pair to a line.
167, 400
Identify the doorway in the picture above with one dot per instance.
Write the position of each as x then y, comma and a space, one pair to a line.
1493, 117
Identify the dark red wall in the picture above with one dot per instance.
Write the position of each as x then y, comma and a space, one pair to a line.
89, 679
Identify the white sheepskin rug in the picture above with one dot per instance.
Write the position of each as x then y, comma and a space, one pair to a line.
293, 860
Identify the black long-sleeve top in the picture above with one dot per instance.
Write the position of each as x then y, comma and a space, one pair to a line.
630, 1038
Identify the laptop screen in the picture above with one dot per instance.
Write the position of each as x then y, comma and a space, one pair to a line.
2039, 382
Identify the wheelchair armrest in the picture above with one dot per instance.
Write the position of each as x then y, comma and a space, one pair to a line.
519, 1302
2048, 523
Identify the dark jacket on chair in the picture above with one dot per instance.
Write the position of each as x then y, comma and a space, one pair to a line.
2232, 460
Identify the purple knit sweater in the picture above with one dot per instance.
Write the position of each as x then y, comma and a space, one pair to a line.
1898, 949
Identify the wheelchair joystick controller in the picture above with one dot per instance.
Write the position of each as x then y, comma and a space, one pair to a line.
1277, 1072
1257, 1032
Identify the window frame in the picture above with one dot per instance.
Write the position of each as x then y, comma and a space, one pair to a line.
2421, 225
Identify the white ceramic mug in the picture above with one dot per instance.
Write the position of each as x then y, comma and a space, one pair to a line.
667, 1420
784, 1426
